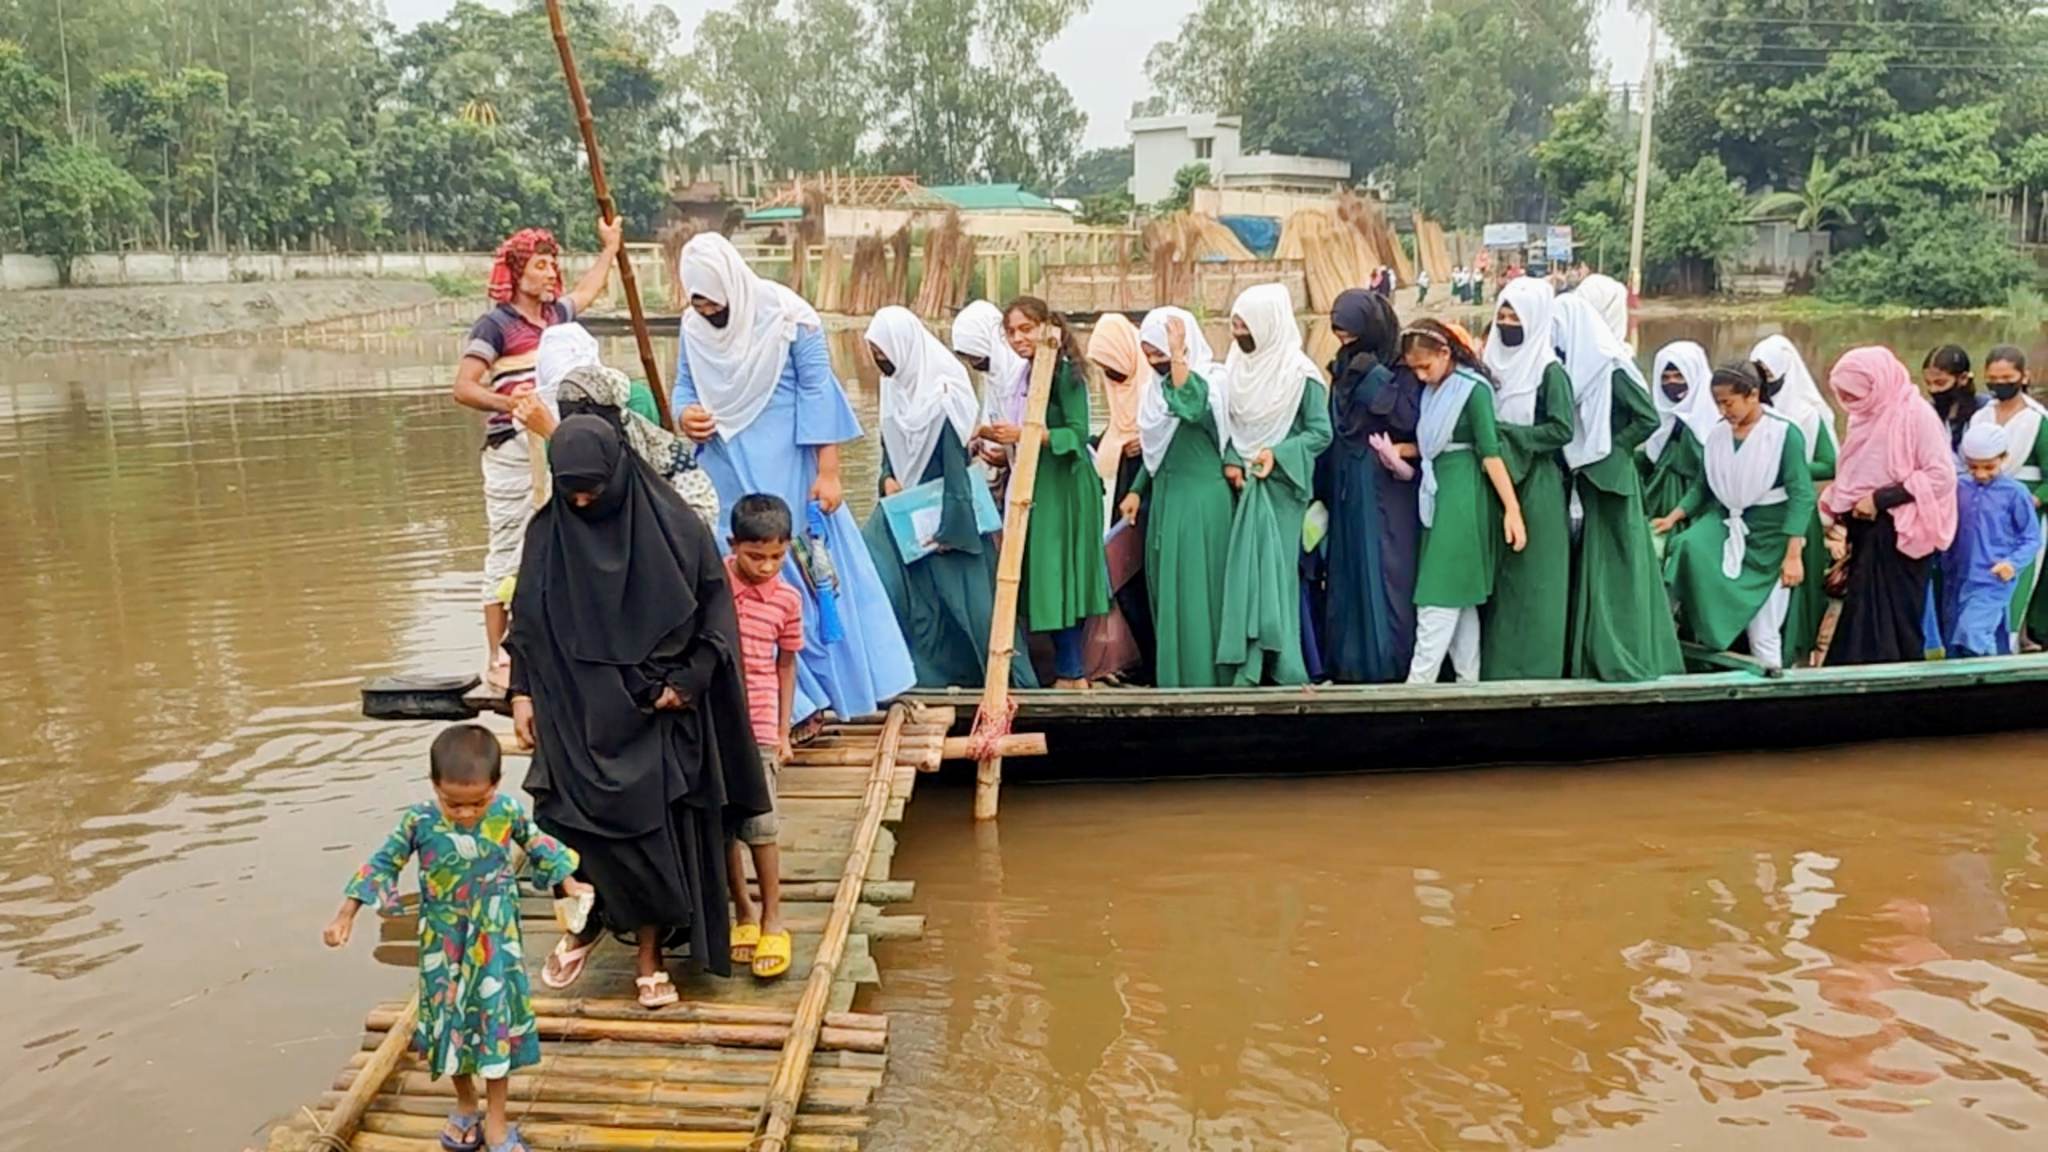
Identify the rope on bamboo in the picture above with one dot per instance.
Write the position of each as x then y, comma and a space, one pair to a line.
985, 741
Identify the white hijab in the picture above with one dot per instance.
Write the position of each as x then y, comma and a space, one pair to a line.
1520, 370
1744, 480
977, 334
929, 391
1697, 410
1592, 353
1156, 422
1264, 386
563, 349
737, 367
1800, 400
1609, 299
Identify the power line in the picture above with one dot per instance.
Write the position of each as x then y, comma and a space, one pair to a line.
1914, 66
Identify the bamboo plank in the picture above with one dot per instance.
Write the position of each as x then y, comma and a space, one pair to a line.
686, 1012
561, 1137
523, 1112
778, 1115
662, 1064
677, 1032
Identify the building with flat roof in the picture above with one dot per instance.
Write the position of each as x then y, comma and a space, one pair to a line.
1162, 145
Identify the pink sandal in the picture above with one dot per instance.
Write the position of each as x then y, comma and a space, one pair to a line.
565, 964
656, 991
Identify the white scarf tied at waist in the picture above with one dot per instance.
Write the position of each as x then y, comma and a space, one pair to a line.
1744, 480
1441, 406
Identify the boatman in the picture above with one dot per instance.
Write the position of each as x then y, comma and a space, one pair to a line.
498, 362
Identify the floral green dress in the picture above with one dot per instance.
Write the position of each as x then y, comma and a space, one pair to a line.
475, 1017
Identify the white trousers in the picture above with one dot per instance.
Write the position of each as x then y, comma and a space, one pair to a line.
1767, 629
508, 505
1445, 630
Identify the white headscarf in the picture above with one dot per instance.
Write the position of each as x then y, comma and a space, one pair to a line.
1520, 370
563, 349
737, 367
1744, 480
1264, 385
1696, 410
1592, 353
1156, 422
978, 334
1442, 404
1800, 400
1609, 299
929, 391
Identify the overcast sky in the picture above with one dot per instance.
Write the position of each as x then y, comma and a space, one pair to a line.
1102, 55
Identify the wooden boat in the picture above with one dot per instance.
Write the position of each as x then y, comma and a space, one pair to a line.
1394, 727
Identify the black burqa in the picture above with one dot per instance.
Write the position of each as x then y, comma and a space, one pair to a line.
617, 602
1369, 609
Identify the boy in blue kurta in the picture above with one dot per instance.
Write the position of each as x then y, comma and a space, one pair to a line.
1997, 535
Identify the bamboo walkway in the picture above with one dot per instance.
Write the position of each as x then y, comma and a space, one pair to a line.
721, 1070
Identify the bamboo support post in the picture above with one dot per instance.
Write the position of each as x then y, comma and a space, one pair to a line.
1002, 641
1014, 744
778, 1114
609, 211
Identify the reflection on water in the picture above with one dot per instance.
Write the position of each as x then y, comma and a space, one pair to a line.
206, 549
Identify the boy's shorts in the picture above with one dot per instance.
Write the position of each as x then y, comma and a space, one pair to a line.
756, 831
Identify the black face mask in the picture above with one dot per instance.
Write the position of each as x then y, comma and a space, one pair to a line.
1116, 377
2005, 391
883, 366
1511, 335
1676, 392
1160, 366
720, 318
978, 363
1245, 341
1772, 388
1945, 402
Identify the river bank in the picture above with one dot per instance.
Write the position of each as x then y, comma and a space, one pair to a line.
138, 313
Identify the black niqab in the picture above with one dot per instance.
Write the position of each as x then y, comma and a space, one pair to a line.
1360, 410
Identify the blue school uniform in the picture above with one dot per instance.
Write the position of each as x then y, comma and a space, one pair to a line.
1995, 524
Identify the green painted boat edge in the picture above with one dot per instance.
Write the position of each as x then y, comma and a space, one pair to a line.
1510, 695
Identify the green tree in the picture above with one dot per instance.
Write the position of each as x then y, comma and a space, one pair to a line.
74, 199
1938, 256
1185, 181
28, 114
1325, 93
1097, 172
1822, 198
1696, 220
1208, 65
1582, 148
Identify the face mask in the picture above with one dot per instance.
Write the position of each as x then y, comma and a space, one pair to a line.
1162, 367
1945, 402
2005, 391
883, 366
978, 363
1510, 334
1676, 392
720, 318
1772, 388
1245, 341
1115, 377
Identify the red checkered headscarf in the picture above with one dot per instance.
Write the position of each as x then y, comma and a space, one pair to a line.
513, 254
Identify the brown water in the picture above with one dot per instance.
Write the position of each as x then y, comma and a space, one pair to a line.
204, 550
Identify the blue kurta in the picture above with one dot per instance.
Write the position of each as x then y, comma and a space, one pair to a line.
1995, 524
778, 454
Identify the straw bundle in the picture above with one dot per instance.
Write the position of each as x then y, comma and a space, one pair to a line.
1432, 251
672, 239
881, 273
1333, 258
810, 229
1181, 240
831, 291
948, 262
1369, 220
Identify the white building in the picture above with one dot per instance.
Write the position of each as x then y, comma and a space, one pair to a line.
1162, 145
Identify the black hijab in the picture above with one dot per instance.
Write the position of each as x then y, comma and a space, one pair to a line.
1363, 399
616, 601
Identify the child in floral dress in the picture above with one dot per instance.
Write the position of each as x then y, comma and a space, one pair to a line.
475, 1018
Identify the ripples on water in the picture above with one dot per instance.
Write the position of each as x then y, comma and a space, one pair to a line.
206, 549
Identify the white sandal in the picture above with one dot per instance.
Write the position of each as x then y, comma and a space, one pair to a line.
565, 964
656, 991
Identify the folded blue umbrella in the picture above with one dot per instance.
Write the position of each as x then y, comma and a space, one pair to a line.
820, 573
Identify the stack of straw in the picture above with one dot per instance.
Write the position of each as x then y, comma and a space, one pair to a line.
1181, 240
1342, 248
948, 264
1431, 250
881, 273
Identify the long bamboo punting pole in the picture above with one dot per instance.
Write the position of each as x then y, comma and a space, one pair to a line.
785, 1092
609, 211
1002, 639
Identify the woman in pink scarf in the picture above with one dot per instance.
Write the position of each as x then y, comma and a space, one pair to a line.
1120, 647
1895, 493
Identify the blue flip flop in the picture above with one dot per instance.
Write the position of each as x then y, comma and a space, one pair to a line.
514, 1142
469, 1122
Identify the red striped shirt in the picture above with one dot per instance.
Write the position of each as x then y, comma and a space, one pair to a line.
771, 623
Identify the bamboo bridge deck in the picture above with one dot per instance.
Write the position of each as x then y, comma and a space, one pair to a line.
739, 1064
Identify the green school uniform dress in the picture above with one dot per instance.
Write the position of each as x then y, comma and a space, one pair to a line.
1187, 518
1260, 633
1066, 577
1810, 600
1460, 551
1621, 627
1523, 631
1715, 610
1670, 478
945, 601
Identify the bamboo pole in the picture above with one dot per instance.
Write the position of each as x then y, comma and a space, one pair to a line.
786, 1090
1002, 640
609, 211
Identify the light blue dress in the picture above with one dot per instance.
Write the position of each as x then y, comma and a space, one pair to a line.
778, 454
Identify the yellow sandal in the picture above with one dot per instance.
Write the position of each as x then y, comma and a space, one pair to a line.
745, 937
772, 957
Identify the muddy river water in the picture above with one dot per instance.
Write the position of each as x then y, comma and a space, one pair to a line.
203, 551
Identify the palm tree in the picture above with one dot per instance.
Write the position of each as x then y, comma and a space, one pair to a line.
1822, 199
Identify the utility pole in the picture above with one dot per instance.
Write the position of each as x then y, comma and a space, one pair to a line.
64, 55
1635, 232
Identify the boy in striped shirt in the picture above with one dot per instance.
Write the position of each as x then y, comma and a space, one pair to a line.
771, 634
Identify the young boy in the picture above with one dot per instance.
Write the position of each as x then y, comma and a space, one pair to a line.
1997, 535
771, 635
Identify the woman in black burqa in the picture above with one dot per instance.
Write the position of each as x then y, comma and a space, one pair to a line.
626, 678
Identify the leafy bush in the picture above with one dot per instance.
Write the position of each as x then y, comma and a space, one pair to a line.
1932, 256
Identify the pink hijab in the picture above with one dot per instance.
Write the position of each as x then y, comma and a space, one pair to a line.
1894, 438
1114, 344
